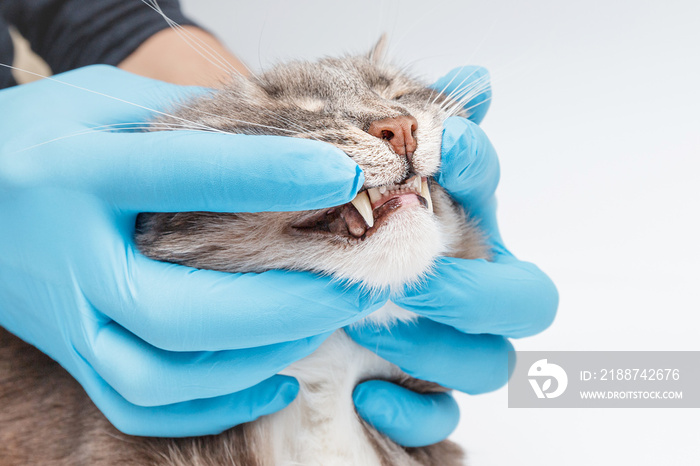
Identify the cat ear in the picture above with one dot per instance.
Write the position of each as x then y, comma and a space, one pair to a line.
376, 55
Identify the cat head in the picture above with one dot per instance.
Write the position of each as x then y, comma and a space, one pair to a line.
387, 122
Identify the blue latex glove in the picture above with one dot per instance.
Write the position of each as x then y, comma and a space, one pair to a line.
468, 307
162, 350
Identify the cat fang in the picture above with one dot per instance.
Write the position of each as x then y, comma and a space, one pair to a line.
370, 209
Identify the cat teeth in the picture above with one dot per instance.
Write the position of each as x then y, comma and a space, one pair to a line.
425, 192
414, 184
375, 194
364, 207
417, 183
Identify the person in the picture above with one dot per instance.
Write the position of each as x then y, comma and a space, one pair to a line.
165, 350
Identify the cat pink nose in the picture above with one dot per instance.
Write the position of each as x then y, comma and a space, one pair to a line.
398, 131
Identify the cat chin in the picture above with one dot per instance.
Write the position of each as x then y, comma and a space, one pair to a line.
400, 253
387, 316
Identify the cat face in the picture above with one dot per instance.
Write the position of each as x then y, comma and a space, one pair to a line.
344, 102
388, 123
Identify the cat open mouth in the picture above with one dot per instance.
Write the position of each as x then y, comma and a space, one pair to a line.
362, 217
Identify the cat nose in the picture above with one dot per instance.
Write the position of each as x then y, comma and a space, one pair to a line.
398, 132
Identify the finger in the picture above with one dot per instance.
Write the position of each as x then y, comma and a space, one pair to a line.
148, 376
109, 95
432, 351
208, 416
179, 308
470, 169
408, 418
174, 171
471, 85
505, 297
184, 170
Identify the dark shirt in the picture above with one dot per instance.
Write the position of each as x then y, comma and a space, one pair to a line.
6, 55
69, 34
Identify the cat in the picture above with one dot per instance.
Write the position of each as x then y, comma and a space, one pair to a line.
388, 237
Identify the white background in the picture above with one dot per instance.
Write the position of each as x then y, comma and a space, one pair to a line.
596, 120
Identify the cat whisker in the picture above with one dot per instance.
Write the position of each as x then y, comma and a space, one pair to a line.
110, 128
477, 104
478, 86
465, 98
244, 122
406, 66
459, 108
460, 91
466, 94
285, 120
280, 118
159, 112
475, 86
202, 48
138, 125
406, 30
193, 125
448, 85
461, 95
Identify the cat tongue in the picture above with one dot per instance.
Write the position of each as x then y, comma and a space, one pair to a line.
354, 221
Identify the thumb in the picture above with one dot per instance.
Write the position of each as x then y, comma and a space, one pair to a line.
470, 85
408, 418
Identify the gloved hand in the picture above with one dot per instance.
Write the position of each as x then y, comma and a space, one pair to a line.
468, 308
162, 350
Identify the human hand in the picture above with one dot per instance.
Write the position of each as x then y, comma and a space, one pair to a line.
166, 56
468, 308
162, 349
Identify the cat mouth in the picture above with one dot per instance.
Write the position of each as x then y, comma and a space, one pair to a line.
368, 211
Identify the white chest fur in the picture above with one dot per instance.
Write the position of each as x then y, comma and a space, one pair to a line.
321, 426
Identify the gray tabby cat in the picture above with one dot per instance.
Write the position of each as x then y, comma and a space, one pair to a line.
388, 236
